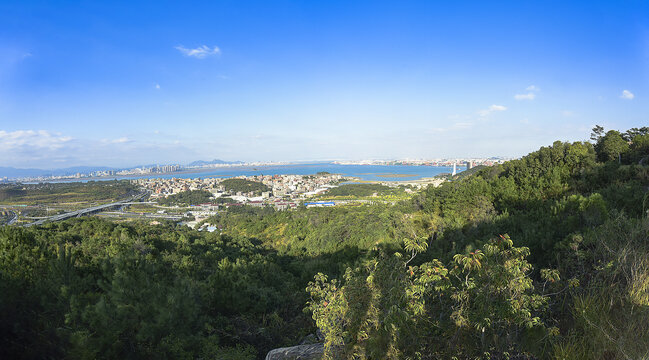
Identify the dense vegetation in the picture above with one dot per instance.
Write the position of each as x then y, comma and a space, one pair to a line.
362, 190
469, 172
244, 186
33, 194
546, 257
190, 197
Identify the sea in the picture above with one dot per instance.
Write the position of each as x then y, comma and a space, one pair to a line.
361, 172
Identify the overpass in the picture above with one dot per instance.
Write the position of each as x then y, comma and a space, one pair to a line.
87, 211
13, 220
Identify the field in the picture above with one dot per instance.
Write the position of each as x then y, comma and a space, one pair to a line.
70, 194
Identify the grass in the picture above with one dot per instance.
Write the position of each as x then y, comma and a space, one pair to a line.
65, 193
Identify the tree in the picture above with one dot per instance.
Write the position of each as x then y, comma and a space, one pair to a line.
484, 302
597, 133
611, 146
630, 134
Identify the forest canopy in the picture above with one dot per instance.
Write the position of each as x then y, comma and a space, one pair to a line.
235, 185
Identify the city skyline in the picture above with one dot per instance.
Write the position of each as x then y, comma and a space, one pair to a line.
101, 84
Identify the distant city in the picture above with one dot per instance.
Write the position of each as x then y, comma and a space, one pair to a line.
102, 173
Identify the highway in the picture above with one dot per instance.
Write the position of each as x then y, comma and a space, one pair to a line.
13, 220
86, 211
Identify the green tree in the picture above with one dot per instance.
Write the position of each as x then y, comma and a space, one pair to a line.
597, 133
611, 146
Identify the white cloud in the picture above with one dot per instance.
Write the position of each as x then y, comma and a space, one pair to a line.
157, 86
199, 52
45, 149
37, 139
528, 96
120, 140
626, 94
492, 108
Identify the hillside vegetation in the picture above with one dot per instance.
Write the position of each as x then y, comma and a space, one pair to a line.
244, 186
546, 257
362, 191
92, 191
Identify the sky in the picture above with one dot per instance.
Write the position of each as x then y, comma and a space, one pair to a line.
119, 84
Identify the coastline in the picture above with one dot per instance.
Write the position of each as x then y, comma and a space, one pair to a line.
389, 174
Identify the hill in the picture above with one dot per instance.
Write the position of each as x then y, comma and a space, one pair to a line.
244, 186
545, 257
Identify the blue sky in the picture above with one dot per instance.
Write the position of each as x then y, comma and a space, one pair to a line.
125, 83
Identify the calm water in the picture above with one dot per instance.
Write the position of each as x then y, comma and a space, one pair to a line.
364, 172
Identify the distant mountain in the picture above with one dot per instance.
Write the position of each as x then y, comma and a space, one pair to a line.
12, 172
213, 162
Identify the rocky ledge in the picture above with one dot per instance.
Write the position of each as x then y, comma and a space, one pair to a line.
299, 352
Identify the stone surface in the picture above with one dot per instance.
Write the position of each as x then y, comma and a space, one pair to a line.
300, 352
309, 339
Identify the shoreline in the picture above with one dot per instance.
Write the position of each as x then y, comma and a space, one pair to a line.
248, 170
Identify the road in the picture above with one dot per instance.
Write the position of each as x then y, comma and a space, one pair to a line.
87, 211
13, 220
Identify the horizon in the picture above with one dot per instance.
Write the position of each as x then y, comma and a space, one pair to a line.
233, 163
121, 84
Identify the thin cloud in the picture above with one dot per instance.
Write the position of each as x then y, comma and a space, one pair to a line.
37, 139
627, 95
528, 96
121, 140
42, 149
157, 86
491, 109
200, 52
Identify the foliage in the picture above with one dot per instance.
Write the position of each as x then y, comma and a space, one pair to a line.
469, 172
611, 146
34, 194
235, 185
428, 277
139, 291
362, 190
385, 309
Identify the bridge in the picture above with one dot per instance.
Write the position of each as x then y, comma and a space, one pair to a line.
14, 219
87, 211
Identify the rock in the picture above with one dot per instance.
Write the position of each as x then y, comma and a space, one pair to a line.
300, 352
309, 339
